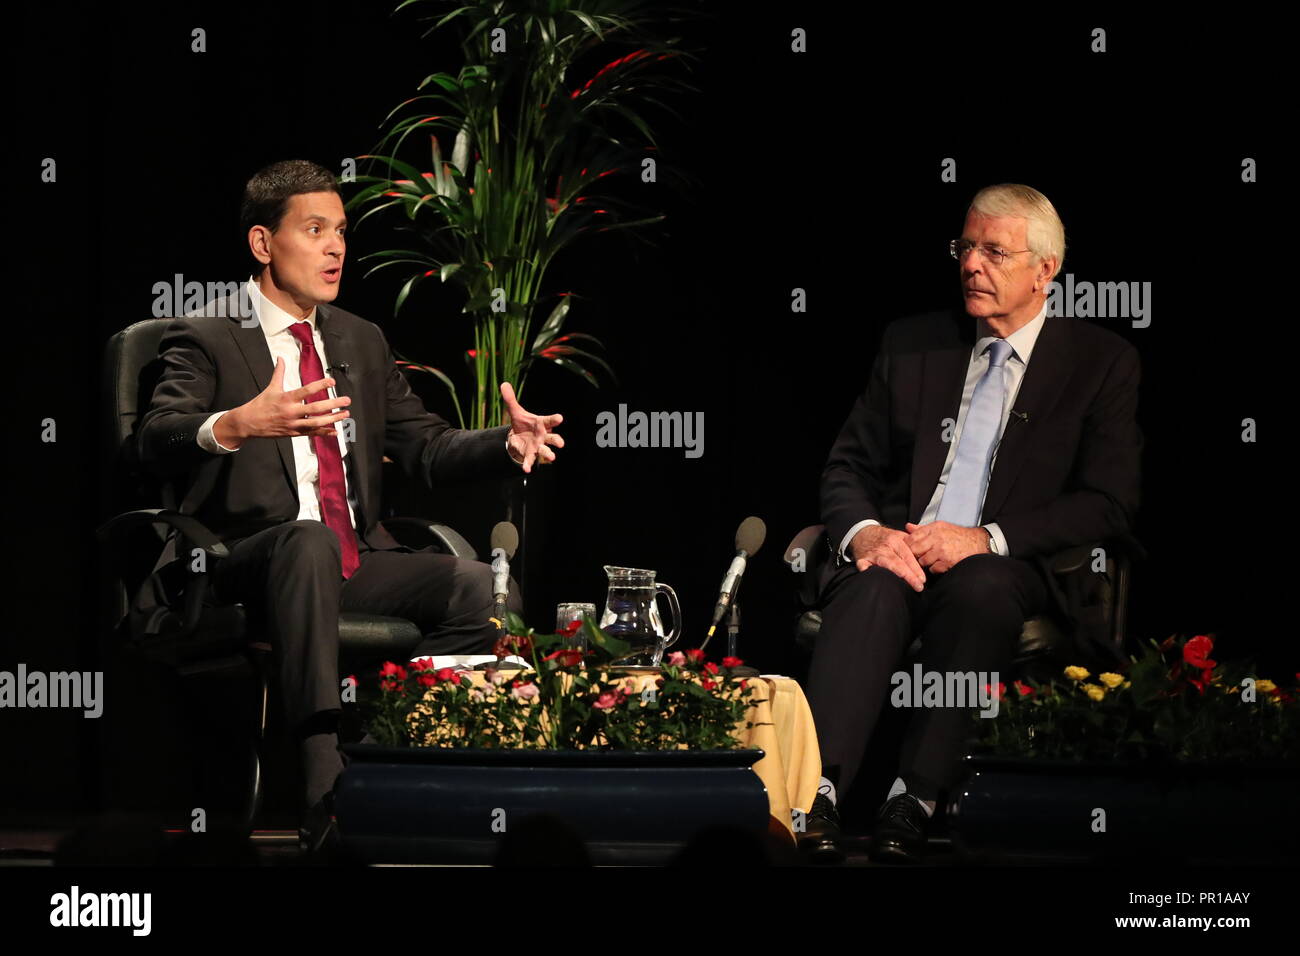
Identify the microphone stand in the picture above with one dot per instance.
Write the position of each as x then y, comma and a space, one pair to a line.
732, 631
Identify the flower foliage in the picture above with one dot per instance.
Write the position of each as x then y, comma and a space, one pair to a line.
488, 174
1173, 702
569, 699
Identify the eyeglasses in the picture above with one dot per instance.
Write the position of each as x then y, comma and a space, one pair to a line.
991, 252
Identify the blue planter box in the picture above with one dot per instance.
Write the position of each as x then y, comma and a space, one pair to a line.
1016, 809
431, 805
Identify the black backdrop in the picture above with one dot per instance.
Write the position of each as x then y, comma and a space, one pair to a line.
819, 171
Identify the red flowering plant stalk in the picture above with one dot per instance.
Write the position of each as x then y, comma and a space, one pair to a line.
570, 698
1173, 702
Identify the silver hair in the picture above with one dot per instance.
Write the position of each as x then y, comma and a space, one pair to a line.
1044, 231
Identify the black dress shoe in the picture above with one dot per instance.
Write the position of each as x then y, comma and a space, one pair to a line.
318, 837
899, 834
822, 836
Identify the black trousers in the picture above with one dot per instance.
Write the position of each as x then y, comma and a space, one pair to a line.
968, 619
290, 580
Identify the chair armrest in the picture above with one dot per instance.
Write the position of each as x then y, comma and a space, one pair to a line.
1125, 549
194, 530
445, 538
1071, 559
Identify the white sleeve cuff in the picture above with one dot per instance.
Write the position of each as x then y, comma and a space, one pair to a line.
848, 538
208, 441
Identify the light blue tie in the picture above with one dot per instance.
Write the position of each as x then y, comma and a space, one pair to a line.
968, 479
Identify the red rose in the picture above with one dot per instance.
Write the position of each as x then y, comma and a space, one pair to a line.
445, 674
392, 670
707, 684
732, 662
696, 655
425, 679
423, 664
1024, 689
711, 667
1196, 652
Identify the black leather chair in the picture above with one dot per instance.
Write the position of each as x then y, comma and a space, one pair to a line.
197, 638
1043, 645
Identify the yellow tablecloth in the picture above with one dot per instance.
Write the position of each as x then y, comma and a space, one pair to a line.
791, 767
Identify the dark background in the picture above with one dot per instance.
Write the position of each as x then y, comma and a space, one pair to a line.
818, 171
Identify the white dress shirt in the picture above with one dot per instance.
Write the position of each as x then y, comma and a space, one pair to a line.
1022, 346
275, 324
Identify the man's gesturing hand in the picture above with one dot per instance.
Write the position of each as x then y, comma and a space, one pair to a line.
279, 414
529, 433
887, 547
939, 545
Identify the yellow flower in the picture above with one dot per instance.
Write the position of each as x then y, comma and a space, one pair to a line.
1111, 680
1265, 686
1095, 691
1076, 673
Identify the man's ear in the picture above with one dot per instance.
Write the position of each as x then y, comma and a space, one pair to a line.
1043, 273
259, 244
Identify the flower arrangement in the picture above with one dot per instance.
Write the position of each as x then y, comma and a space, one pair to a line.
570, 698
1172, 703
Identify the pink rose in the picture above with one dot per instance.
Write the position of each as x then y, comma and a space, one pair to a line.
677, 659
524, 692
605, 701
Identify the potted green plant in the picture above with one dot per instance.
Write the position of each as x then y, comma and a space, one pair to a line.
490, 173
1089, 767
534, 148
634, 764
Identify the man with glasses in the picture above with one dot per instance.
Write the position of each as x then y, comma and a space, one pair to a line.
985, 442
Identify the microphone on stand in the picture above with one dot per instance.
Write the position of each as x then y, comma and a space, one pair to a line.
749, 538
505, 541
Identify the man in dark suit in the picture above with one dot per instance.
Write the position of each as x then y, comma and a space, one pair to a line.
984, 443
280, 412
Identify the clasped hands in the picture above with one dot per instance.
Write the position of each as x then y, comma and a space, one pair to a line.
938, 546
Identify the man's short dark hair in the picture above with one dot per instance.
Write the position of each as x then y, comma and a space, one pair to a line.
266, 197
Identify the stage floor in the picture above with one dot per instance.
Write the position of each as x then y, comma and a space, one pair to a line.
40, 846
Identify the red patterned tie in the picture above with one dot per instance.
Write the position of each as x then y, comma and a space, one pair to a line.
329, 461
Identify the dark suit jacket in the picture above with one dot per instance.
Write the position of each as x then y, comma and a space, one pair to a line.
1067, 475
213, 362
